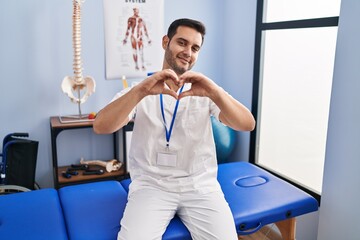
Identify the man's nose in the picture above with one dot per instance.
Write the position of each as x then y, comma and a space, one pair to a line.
187, 51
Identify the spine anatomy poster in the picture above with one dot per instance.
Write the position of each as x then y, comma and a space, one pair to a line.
133, 33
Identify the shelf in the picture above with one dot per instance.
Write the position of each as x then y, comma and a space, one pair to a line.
86, 178
55, 123
56, 127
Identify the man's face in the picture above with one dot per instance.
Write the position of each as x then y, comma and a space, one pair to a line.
181, 52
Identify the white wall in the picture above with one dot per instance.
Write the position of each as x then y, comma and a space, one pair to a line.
36, 54
341, 192
239, 22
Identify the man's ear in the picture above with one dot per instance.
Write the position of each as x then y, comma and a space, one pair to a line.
165, 41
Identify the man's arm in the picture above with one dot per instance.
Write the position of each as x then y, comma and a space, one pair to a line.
233, 113
115, 115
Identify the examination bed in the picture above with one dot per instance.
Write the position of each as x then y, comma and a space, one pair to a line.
94, 210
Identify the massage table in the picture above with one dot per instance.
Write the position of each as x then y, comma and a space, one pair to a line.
256, 198
94, 210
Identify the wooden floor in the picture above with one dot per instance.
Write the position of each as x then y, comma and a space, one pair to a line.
266, 233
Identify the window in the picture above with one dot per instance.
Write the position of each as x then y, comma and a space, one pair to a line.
294, 59
285, 10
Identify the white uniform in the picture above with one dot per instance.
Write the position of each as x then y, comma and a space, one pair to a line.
185, 182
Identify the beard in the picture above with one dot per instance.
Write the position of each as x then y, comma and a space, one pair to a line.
170, 58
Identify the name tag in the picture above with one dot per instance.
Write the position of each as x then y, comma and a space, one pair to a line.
167, 159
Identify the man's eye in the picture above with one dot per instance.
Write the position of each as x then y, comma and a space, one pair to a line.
195, 49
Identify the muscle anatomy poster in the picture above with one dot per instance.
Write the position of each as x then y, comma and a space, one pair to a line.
133, 33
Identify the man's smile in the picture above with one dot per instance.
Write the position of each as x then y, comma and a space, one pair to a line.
184, 60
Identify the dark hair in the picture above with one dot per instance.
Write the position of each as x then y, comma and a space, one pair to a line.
198, 26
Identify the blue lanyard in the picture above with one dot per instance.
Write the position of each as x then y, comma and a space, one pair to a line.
168, 132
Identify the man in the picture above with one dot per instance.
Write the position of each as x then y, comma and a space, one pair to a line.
137, 27
172, 158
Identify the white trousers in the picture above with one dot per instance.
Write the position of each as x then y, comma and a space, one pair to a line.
149, 211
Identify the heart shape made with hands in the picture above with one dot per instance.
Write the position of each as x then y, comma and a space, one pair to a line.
200, 84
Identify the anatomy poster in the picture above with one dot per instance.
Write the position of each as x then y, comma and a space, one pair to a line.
133, 33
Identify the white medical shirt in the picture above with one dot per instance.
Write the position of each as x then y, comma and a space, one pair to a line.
191, 140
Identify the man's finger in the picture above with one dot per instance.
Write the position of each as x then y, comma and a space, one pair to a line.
186, 94
170, 92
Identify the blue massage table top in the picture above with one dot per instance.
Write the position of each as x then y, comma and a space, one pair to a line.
94, 210
256, 197
39, 205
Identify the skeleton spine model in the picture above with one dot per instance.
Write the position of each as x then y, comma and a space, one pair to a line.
77, 83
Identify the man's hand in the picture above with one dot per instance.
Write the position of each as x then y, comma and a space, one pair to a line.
201, 85
156, 83
232, 112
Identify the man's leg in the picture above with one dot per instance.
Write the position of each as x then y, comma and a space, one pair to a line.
147, 214
207, 216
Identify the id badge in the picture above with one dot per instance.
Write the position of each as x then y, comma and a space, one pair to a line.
166, 159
